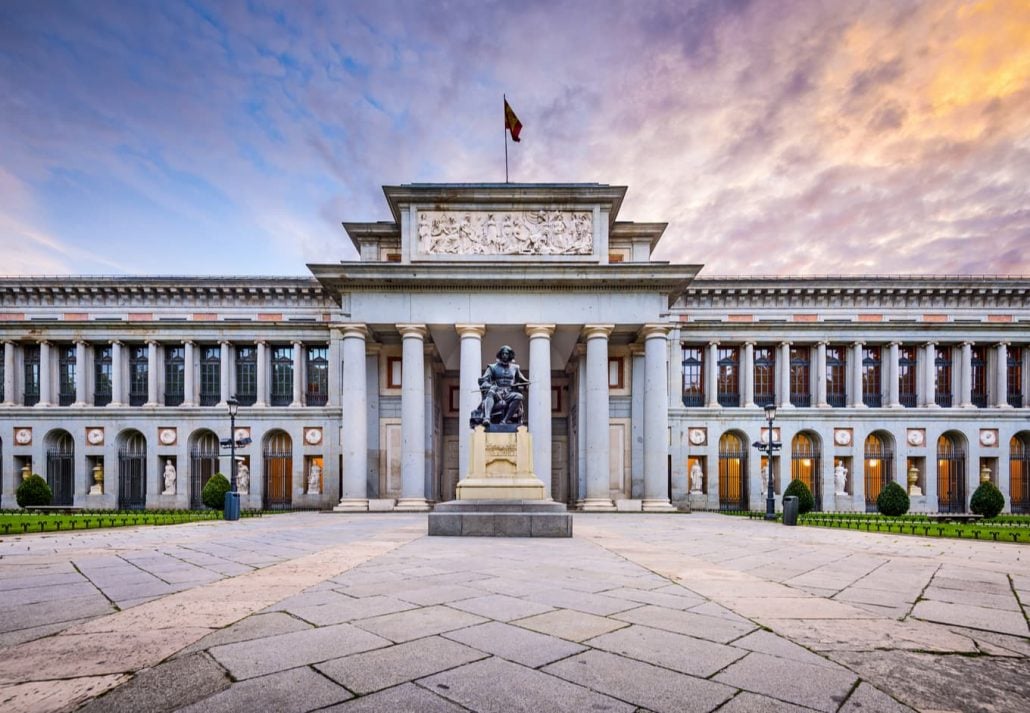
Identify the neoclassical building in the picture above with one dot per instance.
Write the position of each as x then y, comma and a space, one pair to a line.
356, 384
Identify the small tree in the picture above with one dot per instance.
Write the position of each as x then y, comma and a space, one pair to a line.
987, 500
33, 492
893, 500
214, 492
798, 489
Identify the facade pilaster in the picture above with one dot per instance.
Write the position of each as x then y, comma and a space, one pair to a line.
656, 418
965, 386
930, 375
117, 374
189, 377
712, 375
470, 366
354, 496
783, 387
540, 400
80, 373
153, 398
747, 375
894, 375
820, 376
298, 375
45, 392
598, 496
1001, 380
9, 399
223, 373
413, 418
262, 373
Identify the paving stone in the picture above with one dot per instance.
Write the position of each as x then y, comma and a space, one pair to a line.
582, 601
871, 634
965, 596
795, 607
407, 698
35, 696
1006, 622
866, 699
996, 588
18, 636
528, 648
167, 687
1014, 644
441, 594
745, 702
571, 625
656, 689
248, 659
717, 610
308, 599
28, 616
497, 686
699, 625
299, 689
882, 597
768, 643
804, 684
662, 648
383, 668
416, 623
501, 607
253, 627
511, 587
350, 609
658, 598
31, 581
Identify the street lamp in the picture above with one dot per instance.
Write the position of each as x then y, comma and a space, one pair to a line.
770, 501
232, 498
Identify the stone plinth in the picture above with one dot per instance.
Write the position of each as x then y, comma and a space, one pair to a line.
844, 503
501, 468
500, 518
698, 501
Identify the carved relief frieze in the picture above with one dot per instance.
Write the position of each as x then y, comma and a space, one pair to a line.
520, 232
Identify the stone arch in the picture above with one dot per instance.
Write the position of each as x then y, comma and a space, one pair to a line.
733, 471
204, 462
1019, 472
806, 463
132, 470
878, 465
60, 466
277, 456
952, 467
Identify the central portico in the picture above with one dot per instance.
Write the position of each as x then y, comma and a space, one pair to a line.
466, 268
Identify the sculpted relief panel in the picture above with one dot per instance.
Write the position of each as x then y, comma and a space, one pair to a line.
529, 232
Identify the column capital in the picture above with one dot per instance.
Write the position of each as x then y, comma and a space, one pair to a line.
652, 331
859, 342
226, 342
413, 330
822, 343
930, 343
153, 342
596, 331
1003, 343
713, 342
539, 330
637, 349
297, 342
188, 342
353, 331
42, 342
81, 341
786, 343
895, 343
472, 331
968, 343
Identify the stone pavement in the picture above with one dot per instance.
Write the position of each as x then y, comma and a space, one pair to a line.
699, 612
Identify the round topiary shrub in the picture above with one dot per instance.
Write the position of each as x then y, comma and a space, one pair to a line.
893, 500
987, 500
32, 492
214, 492
798, 489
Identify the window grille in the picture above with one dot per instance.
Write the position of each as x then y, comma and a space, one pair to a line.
765, 376
317, 391
282, 376
907, 376
211, 375
139, 374
872, 394
101, 375
728, 392
943, 366
836, 376
175, 375
1015, 376
31, 396
800, 376
978, 374
693, 364
66, 374
246, 375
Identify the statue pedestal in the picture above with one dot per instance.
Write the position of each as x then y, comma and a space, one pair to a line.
698, 501
501, 468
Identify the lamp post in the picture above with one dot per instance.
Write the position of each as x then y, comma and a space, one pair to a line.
232, 498
770, 501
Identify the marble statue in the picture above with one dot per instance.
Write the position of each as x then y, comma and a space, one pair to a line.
696, 477
315, 479
501, 386
169, 476
530, 232
840, 479
242, 479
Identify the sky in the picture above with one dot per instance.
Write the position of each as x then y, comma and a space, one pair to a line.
775, 137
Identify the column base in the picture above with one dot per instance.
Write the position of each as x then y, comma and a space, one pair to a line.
657, 505
597, 505
411, 505
352, 505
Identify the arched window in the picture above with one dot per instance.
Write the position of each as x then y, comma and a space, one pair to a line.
806, 464
951, 473
60, 467
732, 472
278, 462
132, 471
204, 454
1019, 471
879, 467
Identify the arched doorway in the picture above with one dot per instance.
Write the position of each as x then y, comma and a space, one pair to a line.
132, 471
879, 466
732, 472
806, 464
60, 466
1019, 472
951, 473
278, 461
203, 464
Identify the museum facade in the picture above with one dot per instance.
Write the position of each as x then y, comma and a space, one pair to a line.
648, 382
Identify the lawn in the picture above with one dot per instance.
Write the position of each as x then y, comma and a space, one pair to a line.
19, 522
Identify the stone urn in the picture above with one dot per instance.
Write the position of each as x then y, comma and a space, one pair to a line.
26, 471
913, 478
985, 474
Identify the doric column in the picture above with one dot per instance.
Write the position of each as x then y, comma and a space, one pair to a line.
747, 375
676, 368
262, 372
117, 375
80, 373
355, 414
153, 398
820, 376
9, 373
894, 375
712, 375
1001, 376
930, 375
223, 372
855, 387
540, 400
598, 496
45, 397
471, 367
413, 418
965, 387
189, 374
783, 388
656, 418
298, 374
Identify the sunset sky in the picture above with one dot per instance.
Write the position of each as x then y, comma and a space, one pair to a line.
775, 136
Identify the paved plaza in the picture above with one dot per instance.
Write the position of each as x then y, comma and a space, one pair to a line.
309, 611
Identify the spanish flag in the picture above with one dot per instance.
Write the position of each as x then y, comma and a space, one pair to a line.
511, 122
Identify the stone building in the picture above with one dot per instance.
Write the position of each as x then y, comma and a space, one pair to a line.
356, 384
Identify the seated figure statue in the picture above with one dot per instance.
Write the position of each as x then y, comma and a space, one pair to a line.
501, 386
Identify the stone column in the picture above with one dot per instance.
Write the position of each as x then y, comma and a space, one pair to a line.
223, 373
471, 367
930, 375
189, 374
44, 374
965, 387
540, 400
598, 496
80, 373
747, 375
712, 375
675, 347
580, 477
894, 376
153, 398
855, 398
298, 374
262, 372
355, 420
1001, 376
656, 418
9, 373
783, 388
820, 376
413, 418
335, 368
117, 376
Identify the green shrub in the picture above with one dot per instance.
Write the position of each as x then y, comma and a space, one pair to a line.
214, 492
987, 500
32, 492
893, 500
798, 489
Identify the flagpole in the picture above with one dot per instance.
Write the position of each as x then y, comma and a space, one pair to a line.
505, 140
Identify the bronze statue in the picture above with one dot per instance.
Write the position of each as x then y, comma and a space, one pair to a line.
501, 386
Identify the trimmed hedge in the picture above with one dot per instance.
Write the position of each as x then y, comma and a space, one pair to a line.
33, 492
987, 500
798, 489
893, 500
213, 494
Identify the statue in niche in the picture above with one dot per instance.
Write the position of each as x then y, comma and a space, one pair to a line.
243, 479
840, 478
169, 476
696, 477
315, 479
501, 386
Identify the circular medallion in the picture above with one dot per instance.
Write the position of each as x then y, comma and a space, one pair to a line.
95, 436
915, 438
842, 438
313, 436
166, 436
988, 438
23, 436
697, 436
